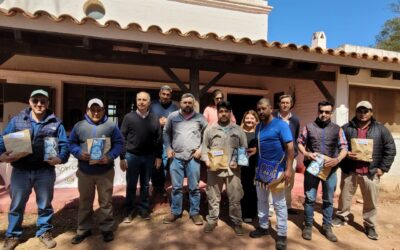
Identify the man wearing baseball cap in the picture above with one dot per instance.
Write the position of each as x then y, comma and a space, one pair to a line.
32, 171
94, 175
366, 174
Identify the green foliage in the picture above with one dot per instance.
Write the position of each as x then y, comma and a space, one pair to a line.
389, 37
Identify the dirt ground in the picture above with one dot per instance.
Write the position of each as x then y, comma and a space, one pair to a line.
185, 235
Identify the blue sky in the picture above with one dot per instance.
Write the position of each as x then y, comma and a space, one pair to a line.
355, 22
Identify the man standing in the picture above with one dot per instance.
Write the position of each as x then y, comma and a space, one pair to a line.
275, 145
162, 108
223, 138
32, 171
143, 143
365, 174
321, 137
95, 175
182, 138
284, 113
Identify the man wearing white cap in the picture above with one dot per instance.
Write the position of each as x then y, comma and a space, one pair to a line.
366, 174
95, 174
32, 171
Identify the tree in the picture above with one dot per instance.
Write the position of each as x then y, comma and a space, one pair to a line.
389, 37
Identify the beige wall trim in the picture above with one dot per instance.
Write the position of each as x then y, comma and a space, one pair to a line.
368, 85
251, 6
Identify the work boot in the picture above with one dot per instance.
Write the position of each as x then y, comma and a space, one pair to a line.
197, 219
80, 237
307, 232
10, 243
259, 232
371, 233
327, 231
108, 236
338, 222
47, 239
281, 243
170, 218
209, 227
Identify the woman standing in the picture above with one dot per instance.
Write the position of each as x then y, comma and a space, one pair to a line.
210, 112
249, 201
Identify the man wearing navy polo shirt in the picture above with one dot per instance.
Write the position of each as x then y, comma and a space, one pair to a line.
275, 140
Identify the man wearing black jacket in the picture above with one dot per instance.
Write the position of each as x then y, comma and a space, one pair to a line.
143, 144
365, 174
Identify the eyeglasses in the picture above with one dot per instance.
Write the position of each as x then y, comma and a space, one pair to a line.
41, 100
325, 112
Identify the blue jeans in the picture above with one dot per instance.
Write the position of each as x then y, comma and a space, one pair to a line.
22, 182
177, 171
310, 192
158, 175
279, 202
138, 165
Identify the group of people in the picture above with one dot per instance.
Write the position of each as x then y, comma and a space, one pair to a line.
159, 135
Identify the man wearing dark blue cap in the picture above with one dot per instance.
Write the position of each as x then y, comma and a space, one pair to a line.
32, 171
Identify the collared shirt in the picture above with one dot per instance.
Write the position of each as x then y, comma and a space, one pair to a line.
285, 119
141, 114
229, 138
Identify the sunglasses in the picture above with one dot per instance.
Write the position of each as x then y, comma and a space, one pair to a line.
325, 112
36, 100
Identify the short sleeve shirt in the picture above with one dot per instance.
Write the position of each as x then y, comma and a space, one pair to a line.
273, 137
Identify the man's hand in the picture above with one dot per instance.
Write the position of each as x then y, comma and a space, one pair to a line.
208, 163
251, 151
157, 163
85, 156
352, 156
310, 156
288, 174
379, 172
170, 153
6, 157
233, 165
331, 162
54, 161
197, 154
123, 165
104, 160
162, 121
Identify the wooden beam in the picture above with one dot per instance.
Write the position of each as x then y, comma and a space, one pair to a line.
4, 57
211, 83
320, 85
43, 49
307, 66
194, 76
144, 50
396, 75
175, 79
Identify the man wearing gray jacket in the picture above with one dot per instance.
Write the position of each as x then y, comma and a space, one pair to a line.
182, 138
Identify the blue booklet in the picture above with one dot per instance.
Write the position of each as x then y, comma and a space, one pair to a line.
97, 149
50, 148
243, 158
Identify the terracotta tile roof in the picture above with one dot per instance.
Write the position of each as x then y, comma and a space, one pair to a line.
341, 52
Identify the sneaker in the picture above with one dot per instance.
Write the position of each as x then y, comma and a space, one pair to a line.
10, 243
327, 231
281, 243
371, 233
338, 222
108, 236
47, 239
170, 218
238, 230
209, 227
307, 232
197, 219
129, 218
259, 232
80, 237
291, 211
145, 215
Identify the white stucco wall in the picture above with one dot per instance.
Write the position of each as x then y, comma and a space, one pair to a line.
239, 18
